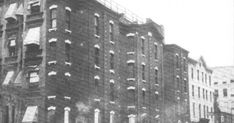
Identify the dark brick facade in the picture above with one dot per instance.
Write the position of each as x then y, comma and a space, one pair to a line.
78, 83
176, 84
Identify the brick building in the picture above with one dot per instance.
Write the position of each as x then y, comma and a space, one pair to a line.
78, 61
175, 64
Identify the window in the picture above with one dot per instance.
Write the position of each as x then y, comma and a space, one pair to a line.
199, 95
143, 96
210, 80
53, 18
197, 74
156, 51
112, 91
111, 31
203, 93
193, 90
34, 77
143, 72
96, 25
184, 61
96, 85
185, 86
178, 83
13, 113
206, 78
143, 46
6, 114
224, 82
68, 19
215, 83
202, 77
156, 76
111, 61
34, 7
206, 95
199, 111
177, 61
131, 70
217, 92
211, 96
131, 96
194, 110
204, 111
231, 81
96, 57
12, 46
192, 73
225, 92
67, 52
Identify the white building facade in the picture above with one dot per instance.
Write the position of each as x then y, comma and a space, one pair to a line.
223, 82
201, 91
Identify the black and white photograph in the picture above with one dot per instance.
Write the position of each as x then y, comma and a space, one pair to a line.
116, 61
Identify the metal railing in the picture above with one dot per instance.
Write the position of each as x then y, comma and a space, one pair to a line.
130, 16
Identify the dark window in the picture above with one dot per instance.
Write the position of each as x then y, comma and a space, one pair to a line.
12, 46
6, 115
143, 96
203, 93
143, 72
217, 92
197, 74
35, 7
112, 91
177, 83
131, 70
225, 92
111, 31
177, 61
156, 76
143, 46
131, 96
193, 109
13, 113
185, 86
67, 52
96, 83
199, 110
192, 73
156, 51
206, 78
224, 82
215, 83
96, 57
199, 94
206, 95
68, 20
202, 77
111, 61
193, 90
53, 18
231, 81
185, 64
204, 111
96, 25
210, 80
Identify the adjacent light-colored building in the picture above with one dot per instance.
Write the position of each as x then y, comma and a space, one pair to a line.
200, 90
223, 82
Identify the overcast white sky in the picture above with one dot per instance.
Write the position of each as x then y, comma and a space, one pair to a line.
204, 27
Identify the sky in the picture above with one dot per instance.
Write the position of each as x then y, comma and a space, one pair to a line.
203, 27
